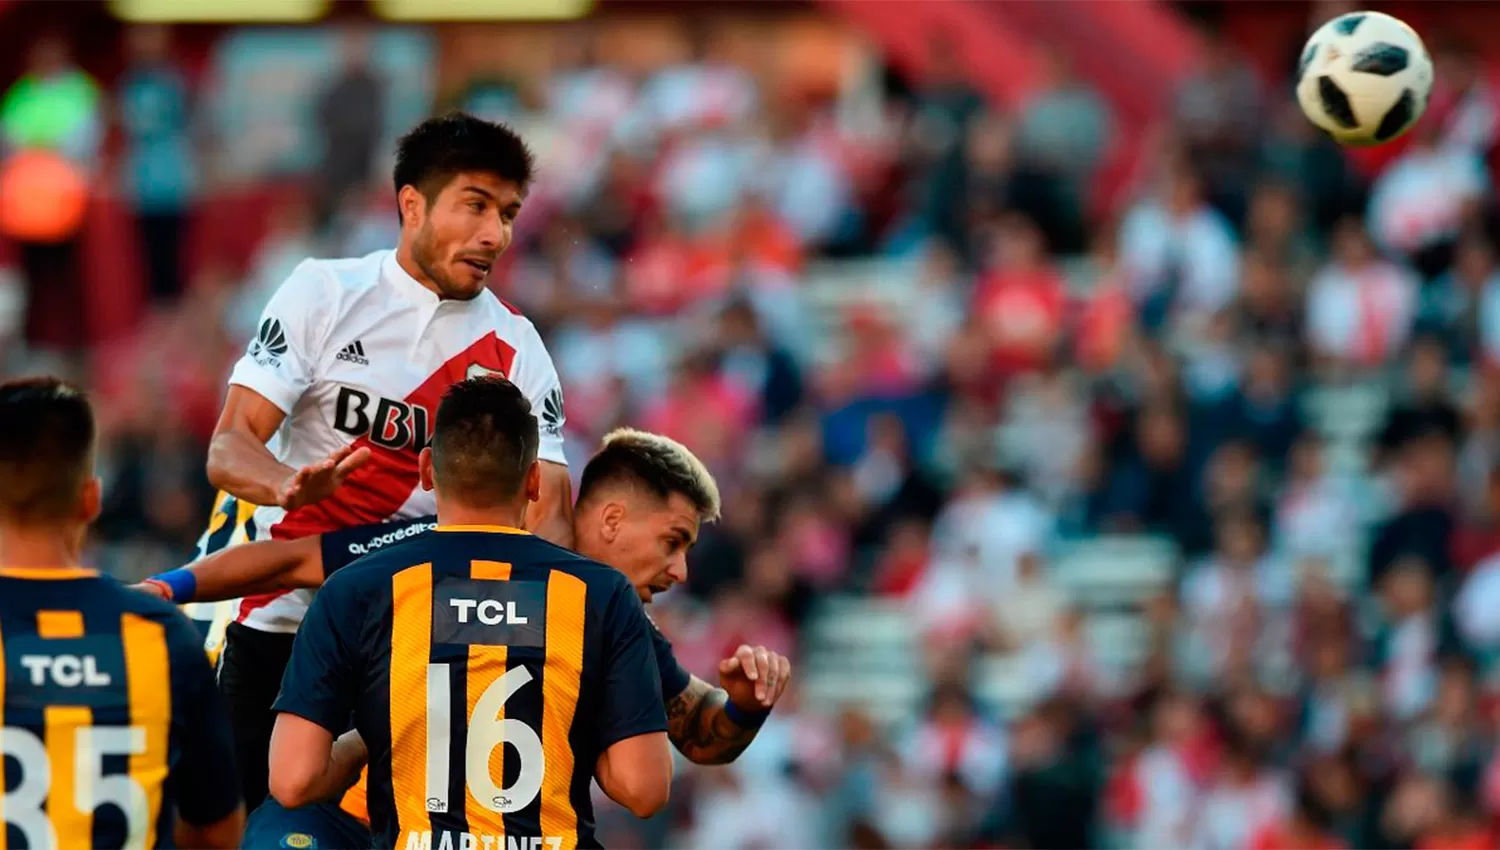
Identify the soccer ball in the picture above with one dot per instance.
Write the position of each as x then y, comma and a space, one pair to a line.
1364, 78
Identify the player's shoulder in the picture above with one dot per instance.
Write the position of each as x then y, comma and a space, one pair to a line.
375, 569
528, 554
541, 551
147, 607
100, 599
512, 325
602, 581
523, 550
93, 595
332, 281
183, 640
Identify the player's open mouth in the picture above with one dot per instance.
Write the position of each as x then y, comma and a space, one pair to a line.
481, 266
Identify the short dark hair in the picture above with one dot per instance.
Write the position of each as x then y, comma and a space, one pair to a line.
46, 449
434, 151
484, 441
660, 465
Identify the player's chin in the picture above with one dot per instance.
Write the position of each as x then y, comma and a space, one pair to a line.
467, 278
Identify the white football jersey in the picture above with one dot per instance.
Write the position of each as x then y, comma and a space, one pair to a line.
357, 351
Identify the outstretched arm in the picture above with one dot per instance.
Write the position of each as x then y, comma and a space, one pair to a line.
267, 566
710, 725
264, 566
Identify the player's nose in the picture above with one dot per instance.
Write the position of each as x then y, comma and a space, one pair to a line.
491, 232
677, 569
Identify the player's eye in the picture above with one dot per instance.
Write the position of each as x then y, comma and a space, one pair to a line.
476, 206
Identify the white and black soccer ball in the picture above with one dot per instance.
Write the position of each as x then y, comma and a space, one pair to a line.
1364, 78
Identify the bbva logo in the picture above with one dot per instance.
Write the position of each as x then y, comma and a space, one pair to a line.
388, 423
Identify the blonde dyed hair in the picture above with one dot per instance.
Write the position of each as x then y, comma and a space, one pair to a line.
653, 461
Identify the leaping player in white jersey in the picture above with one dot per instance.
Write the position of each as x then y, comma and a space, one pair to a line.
333, 401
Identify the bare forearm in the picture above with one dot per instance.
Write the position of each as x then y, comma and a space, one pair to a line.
700, 729
241, 465
346, 758
262, 567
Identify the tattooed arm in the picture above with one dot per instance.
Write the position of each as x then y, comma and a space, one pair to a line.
700, 729
713, 725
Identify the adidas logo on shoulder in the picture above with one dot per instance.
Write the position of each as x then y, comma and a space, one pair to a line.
354, 352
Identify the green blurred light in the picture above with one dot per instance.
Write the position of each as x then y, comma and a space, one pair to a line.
481, 10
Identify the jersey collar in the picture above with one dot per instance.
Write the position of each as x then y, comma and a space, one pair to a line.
47, 573
493, 529
408, 285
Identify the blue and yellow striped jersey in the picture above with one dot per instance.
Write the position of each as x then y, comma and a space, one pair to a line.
112, 724
486, 670
228, 525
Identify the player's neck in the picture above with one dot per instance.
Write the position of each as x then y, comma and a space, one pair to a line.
39, 545
408, 264
504, 516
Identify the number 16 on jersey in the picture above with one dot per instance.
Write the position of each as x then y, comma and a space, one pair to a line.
488, 731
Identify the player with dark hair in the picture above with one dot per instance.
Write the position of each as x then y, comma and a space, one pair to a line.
114, 734
641, 501
330, 406
491, 674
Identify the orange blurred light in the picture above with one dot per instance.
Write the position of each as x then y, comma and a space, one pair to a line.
42, 197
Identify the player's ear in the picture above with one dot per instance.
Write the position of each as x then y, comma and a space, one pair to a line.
90, 500
534, 481
424, 468
610, 519
412, 203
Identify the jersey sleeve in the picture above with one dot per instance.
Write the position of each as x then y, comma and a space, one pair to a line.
536, 376
343, 547
320, 680
674, 679
632, 686
203, 782
282, 360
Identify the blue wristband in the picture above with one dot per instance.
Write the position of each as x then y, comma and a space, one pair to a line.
745, 719
182, 583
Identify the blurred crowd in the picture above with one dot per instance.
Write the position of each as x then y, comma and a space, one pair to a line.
1320, 672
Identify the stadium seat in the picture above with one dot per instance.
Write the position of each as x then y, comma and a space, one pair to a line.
1002, 685
1117, 640
1352, 411
1116, 570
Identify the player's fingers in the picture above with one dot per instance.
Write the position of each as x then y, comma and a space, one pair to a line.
730, 664
149, 589
762, 671
783, 677
311, 471
746, 657
354, 460
772, 676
